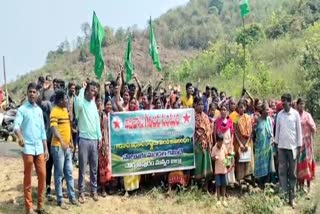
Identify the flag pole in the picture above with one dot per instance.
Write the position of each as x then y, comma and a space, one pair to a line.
5, 81
244, 55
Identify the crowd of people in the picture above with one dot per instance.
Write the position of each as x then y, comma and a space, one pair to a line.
249, 140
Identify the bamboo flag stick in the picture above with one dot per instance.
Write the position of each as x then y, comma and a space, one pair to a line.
5, 81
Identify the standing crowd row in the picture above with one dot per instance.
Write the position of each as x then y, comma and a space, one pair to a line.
248, 140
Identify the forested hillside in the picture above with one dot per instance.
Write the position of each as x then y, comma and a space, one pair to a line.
282, 55
204, 39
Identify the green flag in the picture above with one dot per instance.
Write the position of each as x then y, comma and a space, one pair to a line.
153, 48
97, 35
244, 8
128, 59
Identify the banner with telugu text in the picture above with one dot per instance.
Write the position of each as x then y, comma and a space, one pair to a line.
144, 142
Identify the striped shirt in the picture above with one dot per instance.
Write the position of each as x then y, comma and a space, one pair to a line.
59, 118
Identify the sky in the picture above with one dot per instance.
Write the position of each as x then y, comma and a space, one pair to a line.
31, 28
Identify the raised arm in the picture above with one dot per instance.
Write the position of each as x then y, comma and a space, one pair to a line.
121, 78
117, 94
145, 88
139, 86
158, 85
80, 99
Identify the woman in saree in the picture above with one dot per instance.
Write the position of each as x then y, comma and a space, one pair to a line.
178, 177
224, 126
233, 114
243, 143
104, 163
131, 182
263, 154
306, 163
203, 143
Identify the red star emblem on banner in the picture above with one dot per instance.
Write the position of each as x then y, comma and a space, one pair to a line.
116, 123
186, 118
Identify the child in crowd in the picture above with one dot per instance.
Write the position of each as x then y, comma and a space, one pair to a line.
219, 153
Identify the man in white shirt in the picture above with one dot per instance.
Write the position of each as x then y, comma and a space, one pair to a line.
289, 141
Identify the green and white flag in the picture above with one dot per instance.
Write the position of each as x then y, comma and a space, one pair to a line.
244, 8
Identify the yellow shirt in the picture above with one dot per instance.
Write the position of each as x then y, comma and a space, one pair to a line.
234, 116
216, 114
59, 118
187, 103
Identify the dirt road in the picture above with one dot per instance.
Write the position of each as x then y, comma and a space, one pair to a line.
9, 149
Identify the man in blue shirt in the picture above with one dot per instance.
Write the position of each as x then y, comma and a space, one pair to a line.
89, 136
30, 130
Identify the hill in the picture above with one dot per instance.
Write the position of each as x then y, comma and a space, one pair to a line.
181, 33
282, 55
204, 39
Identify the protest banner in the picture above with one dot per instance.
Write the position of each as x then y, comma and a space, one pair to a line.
152, 141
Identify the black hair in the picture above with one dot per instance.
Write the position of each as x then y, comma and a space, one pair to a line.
113, 83
223, 105
61, 84
59, 95
219, 137
195, 92
264, 106
286, 97
214, 89
188, 85
107, 99
88, 86
242, 102
99, 97
133, 98
131, 86
207, 88
78, 87
55, 80
96, 84
222, 92
299, 101
41, 79
71, 83
256, 102
149, 89
211, 105
32, 85
197, 100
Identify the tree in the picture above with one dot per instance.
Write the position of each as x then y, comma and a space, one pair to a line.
86, 29
310, 65
250, 35
218, 4
79, 42
66, 46
109, 38
120, 34
83, 55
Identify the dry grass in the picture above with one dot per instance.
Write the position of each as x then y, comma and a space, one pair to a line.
154, 201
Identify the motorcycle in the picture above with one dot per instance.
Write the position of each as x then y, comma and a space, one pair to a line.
7, 124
